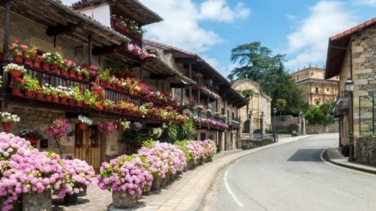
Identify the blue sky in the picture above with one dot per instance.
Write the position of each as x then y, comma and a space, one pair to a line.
298, 28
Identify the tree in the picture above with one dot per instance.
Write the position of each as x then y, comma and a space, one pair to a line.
320, 115
258, 64
280, 105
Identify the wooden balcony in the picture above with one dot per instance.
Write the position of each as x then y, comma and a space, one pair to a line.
234, 122
342, 106
208, 120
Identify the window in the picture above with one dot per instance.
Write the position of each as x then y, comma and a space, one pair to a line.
317, 90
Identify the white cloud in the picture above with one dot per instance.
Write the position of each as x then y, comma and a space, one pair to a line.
309, 42
366, 2
181, 25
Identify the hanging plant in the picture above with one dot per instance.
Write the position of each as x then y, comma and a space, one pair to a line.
58, 128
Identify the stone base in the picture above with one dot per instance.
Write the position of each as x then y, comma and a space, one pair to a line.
122, 199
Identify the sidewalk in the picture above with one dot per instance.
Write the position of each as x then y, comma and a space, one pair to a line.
183, 194
333, 156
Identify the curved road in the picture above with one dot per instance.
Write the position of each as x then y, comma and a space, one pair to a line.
290, 177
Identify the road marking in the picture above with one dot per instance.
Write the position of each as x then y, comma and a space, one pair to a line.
230, 191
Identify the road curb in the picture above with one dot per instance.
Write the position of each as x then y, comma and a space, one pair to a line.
349, 166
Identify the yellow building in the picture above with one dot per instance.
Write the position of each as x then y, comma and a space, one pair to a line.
316, 89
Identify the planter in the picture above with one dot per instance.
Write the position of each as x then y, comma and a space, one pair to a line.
120, 127
28, 62
29, 93
54, 68
36, 64
49, 97
7, 126
156, 185
37, 201
33, 141
63, 99
39, 95
17, 59
79, 76
55, 98
122, 199
83, 192
71, 198
15, 73
16, 91
45, 66
63, 72
72, 74
81, 126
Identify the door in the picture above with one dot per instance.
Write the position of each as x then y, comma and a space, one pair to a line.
88, 144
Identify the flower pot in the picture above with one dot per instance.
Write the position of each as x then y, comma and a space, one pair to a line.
72, 74
79, 76
45, 66
16, 91
122, 199
71, 102
33, 141
81, 126
156, 185
83, 192
120, 127
71, 198
37, 201
15, 73
63, 99
27, 62
63, 72
55, 99
7, 126
36, 64
17, 59
39, 95
29, 93
49, 97
55, 68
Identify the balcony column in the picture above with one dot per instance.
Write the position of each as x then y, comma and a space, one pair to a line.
6, 53
223, 141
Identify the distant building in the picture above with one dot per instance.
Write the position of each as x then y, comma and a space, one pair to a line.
259, 104
316, 89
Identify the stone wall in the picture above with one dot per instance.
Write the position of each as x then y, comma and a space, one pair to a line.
365, 151
317, 129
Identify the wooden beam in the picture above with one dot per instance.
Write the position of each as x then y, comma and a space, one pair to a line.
104, 50
177, 85
61, 29
154, 76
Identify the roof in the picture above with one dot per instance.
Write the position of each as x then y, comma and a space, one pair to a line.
133, 8
339, 45
52, 14
231, 95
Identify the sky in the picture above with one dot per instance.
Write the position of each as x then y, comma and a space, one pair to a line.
299, 29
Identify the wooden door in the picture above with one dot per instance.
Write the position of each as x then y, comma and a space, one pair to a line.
88, 146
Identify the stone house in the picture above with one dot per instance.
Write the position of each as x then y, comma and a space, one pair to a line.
258, 109
212, 92
316, 89
98, 43
351, 57
91, 34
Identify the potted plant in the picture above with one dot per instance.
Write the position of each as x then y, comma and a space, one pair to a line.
52, 59
58, 128
7, 119
125, 192
14, 69
31, 84
30, 55
84, 121
78, 174
32, 136
122, 124
18, 50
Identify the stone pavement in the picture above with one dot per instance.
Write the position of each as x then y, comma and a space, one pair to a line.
185, 193
334, 156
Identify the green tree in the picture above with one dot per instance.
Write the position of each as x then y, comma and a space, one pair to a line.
280, 105
320, 115
258, 64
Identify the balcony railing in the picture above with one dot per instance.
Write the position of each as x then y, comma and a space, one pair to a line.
234, 122
208, 120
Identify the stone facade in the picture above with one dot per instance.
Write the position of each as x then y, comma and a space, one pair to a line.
258, 103
366, 151
316, 89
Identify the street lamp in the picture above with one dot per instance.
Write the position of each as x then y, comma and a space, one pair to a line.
262, 124
349, 87
300, 122
250, 124
274, 124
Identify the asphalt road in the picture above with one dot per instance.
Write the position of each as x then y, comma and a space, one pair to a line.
291, 177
